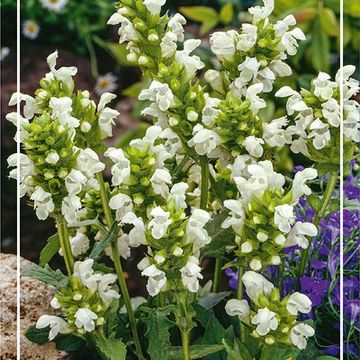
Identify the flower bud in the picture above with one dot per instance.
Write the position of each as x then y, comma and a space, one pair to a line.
192, 115
62, 173
173, 121
52, 157
49, 174
100, 321
269, 340
262, 236
153, 37
246, 247
85, 127
255, 264
177, 251
280, 239
143, 60
138, 198
160, 257
131, 57
77, 297
275, 260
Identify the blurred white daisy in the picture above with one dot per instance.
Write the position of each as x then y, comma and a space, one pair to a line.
105, 83
4, 52
54, 5
30, 29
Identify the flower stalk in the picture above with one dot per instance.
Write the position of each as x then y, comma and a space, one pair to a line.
118, 266
65, 243
239, 296
185, 344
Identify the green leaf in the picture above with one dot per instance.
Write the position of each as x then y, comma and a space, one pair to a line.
220, 237
90, 222
226, 13
135, 89
212, 299
69, 342
196, 351
207, 16
351, 204
277, 353
233, 354
46, 275
125, 139
51, 248
113, 349
314, 201
158, 326
326, 358
329, 22
100, 246
320, 49
38, 336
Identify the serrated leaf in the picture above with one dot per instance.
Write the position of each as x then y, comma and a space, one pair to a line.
51, 248
196, 351
113, 349
207, 16
329, 22
46, 275
100, 246
226, 13
233, 354
212, 299
38, 336
320, 49
158, 326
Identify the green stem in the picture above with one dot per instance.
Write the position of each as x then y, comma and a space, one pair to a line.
217, 275
91, 49
239, 296
65, 243
118, 267
330, 187
204, 183
185, 344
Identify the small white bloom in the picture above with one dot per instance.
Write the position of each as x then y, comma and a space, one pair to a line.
121, 169
52, 157
160, 181
256, 284
255, 264
247, 38
299, 187
320, 133
251, 94
126, 31
299, 334
75, 181
21, 133
284, 217
30, 29
246, 247
85, 273
178, 194
64, 74
195, 231
168, 45
282, 26
214, 78
280, 68
176, 25
54, 5
210, 110
88, 162
274, 134
160, 222
298, 302
236, 216
122, 204
297, 235
323, 86
43, 203
85, 318
265, 321
80, 243
331, 112
204, 140
154, 6
122, 245
262, 12
26, 170
61, 110
157, 279
56, 323
160, 93
238, 308
248, 71
223, 44
106, 114
253, 146
191, 273
136, 302
29, 107
105, 83
70, 207
55, 303
137, 233
106, 293
289, 40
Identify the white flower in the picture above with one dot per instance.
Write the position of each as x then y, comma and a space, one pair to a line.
238, 308
168, 45
320, 133
236, 216
106, 114
29, 108
154, 6
160, 222
280, 68
284, 217
70, 206
223, 44
331, 112
352, 121
256, 285
121, 169
274, 134
253, 146
178, 194
105, 83
79, 243
54, 5
298, 302
84, 317
289, 40
265, 321
297, 235
43, 203
263, 12
30, 29
137, 233
122, 245
204, 140
122, 204
195, 231
299, 334
255, 101
157, 279
21, 133
323, 86
126, 31
190, 274
282, 26
160, 93
61, 110
56, 323
210, 111
176, 24
295, 101
64, 74
160, 181
190, 63
74, 181
85, 273
55, 303
172, 145
214, 78
106, 293
247, 38
88, 162
26, 170
136, 302
248, 71
299, 187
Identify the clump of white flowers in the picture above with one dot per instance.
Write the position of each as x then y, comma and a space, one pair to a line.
271, 319
263, 218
